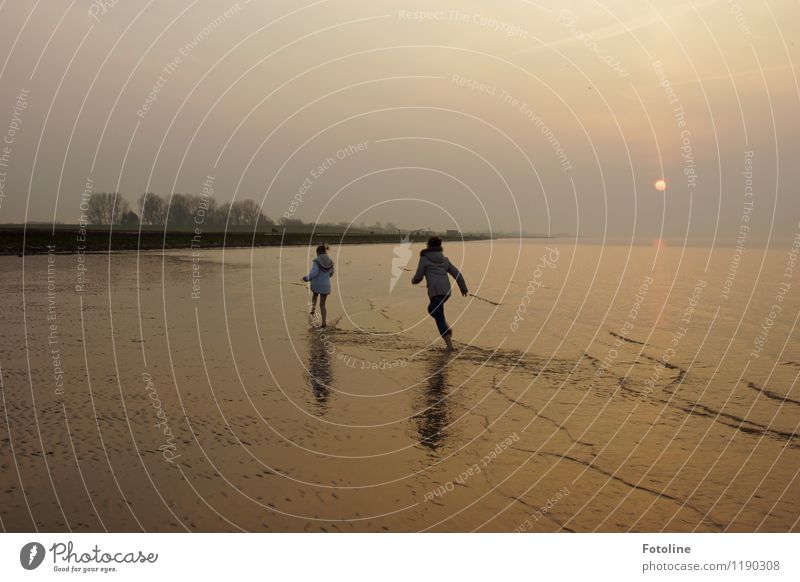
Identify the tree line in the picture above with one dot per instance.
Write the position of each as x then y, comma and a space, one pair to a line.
189, 210
178, 210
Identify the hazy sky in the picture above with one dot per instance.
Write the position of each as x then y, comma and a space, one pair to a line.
471, 114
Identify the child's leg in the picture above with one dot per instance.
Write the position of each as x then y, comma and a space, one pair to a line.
323, 310
436, 309
314, 303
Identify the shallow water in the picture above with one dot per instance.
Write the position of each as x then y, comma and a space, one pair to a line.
613, 388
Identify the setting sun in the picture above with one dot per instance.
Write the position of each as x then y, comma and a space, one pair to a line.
660, 185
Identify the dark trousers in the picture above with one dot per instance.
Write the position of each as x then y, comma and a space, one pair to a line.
436, 310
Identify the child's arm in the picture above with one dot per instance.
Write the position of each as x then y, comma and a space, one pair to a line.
417, 278
314, 272
456, 274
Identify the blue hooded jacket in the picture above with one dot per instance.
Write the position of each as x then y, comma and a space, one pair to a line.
320, 275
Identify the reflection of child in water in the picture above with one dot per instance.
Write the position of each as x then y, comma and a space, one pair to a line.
320, 279
320, 370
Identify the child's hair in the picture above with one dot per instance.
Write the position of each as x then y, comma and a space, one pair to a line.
321, 249
434, 241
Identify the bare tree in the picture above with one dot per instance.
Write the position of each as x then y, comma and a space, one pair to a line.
179, 210
234, 214
106, 208
152, 209
206, 211
248, 212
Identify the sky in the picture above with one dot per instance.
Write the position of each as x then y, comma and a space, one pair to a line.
472, 115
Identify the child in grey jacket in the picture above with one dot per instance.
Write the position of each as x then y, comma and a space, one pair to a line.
435, 268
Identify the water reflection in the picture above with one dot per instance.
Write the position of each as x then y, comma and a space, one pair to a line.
434, 415
320, 371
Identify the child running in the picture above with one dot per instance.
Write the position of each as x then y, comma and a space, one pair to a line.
435, 267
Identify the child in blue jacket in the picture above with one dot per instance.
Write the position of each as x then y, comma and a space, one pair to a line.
320, 279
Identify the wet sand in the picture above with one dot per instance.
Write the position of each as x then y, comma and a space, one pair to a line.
613, 389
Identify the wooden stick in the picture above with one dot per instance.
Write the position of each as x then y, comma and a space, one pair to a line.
482, 299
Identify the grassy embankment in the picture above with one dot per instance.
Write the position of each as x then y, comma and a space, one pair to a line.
35, 239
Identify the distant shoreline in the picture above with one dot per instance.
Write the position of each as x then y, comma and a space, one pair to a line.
38, 239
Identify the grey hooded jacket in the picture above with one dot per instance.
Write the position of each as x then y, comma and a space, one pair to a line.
434, 266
